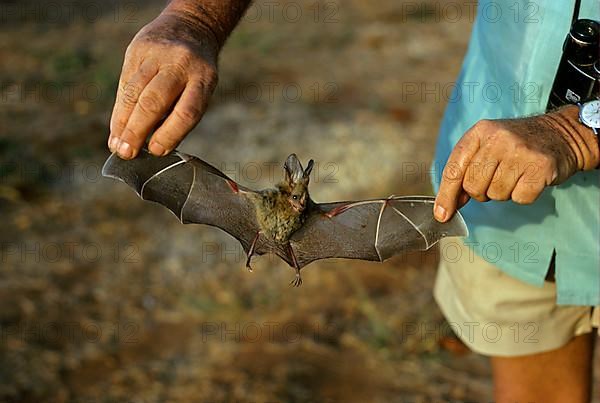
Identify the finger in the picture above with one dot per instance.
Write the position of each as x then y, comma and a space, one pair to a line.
128, 71
526, 191
480, 173
187, 113
127, 97
452, 177
155, 100
504, 181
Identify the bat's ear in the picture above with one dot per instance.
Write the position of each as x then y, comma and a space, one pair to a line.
293, 169
309, 168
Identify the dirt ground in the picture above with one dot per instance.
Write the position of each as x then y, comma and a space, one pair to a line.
106, 298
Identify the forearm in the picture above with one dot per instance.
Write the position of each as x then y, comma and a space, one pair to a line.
581, 139
217, 17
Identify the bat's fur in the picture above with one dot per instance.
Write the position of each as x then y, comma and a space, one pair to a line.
283, 210
278, 214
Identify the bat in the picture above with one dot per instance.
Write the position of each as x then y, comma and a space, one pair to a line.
284, 220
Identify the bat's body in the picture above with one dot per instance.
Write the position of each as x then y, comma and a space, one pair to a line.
276, 217
284, 220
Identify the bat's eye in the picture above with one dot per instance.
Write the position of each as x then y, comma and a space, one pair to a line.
295, 197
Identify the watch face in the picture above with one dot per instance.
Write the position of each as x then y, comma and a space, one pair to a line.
590, 114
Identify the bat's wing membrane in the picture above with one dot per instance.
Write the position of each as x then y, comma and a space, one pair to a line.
195, 191
372, 229
350, 234
426, 231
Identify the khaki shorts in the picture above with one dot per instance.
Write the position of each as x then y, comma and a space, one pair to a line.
496, 314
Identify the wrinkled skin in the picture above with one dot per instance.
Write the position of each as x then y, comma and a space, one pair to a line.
169, 73
515, 159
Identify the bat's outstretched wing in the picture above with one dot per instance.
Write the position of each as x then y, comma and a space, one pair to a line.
372, 229
195, 191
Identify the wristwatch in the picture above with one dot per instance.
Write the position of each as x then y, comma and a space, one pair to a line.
589, 115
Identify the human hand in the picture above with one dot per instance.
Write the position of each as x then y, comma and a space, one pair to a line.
169, 73
515, 159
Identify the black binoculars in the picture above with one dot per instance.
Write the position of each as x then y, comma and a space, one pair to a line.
578, 76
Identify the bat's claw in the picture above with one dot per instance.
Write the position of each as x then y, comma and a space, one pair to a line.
297, 281
251, 252
248, 263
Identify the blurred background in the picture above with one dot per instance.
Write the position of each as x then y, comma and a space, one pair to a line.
105, 298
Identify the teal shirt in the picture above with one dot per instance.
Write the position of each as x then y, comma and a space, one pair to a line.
508, 71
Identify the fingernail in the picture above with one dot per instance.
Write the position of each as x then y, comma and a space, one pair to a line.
157, 149
125, 150
440, 213
112, 144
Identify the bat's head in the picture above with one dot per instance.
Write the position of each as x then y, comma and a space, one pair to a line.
296, 182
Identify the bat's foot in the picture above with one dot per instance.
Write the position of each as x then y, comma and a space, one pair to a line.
297, 281
251, 252
248, 263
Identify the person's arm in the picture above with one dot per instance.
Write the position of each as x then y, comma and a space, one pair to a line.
169, 72
515, 159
